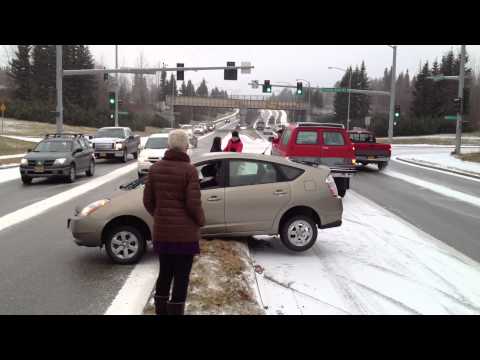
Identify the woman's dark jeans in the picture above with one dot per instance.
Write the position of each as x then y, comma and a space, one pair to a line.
174, 268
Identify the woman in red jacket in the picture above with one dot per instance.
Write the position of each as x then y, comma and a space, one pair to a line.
234, 144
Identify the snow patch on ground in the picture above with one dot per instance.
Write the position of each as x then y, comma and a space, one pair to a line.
375, 263
9, 174
446, 161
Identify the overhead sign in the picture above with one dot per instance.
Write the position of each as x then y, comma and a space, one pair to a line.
451, 117
247, 70
334, 90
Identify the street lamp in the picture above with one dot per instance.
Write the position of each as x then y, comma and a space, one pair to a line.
349, 93
392, 92
309, 97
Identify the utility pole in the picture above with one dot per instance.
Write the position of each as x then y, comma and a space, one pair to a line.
461, 84
116, 86
392, 93
59, 85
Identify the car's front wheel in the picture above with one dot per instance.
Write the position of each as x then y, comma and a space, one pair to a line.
72, 174
91, 168
299, 233
125, 244
135, 155
26, 180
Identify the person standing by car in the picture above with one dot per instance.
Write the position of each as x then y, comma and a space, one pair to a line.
217, 144
234, 144
172, 196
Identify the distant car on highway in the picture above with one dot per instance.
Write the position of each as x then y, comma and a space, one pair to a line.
319, 144
260, 126
211, 126
58, 155
242, 195
154, 150
191, 136
367, 150
199, 130
115, 142
227, 121
268, 132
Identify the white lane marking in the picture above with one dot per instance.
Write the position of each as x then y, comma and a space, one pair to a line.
135, 293
434, 170
40, 207
439, 189
6, 157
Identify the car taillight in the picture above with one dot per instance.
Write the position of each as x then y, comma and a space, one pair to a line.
331, 186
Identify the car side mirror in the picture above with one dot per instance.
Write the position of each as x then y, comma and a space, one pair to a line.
76, 151
131, 137
29, 150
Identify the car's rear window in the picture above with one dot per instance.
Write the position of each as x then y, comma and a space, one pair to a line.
307, 137
290, 173
333, 138
362, 137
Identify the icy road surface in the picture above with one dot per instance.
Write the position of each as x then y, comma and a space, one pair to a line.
375, 263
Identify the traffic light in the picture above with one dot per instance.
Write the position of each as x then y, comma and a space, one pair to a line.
180, 74
267, 88
230, 74
397, 112
458, 105
299, 88
111, 99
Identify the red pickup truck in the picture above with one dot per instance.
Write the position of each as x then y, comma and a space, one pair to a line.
367, 150
319, 144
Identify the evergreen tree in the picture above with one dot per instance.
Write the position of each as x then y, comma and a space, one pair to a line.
44, 73
422, 93
202, 89
163, 85
183, 89
340, 102
21, 72
190, 91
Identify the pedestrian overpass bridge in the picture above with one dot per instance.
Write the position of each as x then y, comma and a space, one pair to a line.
237, 102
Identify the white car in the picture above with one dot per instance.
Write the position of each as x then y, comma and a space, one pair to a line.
154, 149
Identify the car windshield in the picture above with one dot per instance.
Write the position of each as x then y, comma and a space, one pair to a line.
157, 143
54, 146
110, 133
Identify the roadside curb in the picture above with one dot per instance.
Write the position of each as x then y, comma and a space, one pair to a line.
457, 172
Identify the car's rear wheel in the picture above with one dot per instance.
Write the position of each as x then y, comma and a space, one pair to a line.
26, 180
125, 244
342, 186
299, 233
135, 155
91, 168
382, 165
72, 174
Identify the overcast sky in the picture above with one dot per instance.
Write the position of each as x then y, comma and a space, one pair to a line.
278, 63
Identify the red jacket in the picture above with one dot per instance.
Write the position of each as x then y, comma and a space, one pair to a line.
234, 146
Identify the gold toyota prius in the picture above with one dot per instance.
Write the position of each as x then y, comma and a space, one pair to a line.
242, 194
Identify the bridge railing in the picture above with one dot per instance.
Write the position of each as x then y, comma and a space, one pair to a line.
238, 101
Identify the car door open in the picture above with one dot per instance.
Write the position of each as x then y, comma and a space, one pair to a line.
212, 186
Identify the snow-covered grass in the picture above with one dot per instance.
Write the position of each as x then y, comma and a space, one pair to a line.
375, 263
9, 174
445, 160
471, 157
221, 282
34, 128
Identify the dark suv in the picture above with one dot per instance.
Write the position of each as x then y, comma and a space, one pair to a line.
59, 155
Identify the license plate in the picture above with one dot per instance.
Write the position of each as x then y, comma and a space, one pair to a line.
39, 169
102, 155
371, 158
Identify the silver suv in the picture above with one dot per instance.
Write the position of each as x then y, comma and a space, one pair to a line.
242, 195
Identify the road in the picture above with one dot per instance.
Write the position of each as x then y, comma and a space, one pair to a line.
444, 217
44, 271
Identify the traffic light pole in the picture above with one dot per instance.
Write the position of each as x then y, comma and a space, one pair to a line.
461, 83
392, 93
116, 86
59, 84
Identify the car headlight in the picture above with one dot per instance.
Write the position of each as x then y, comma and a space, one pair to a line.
24, 162
118, 146
60, 161
87, 210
